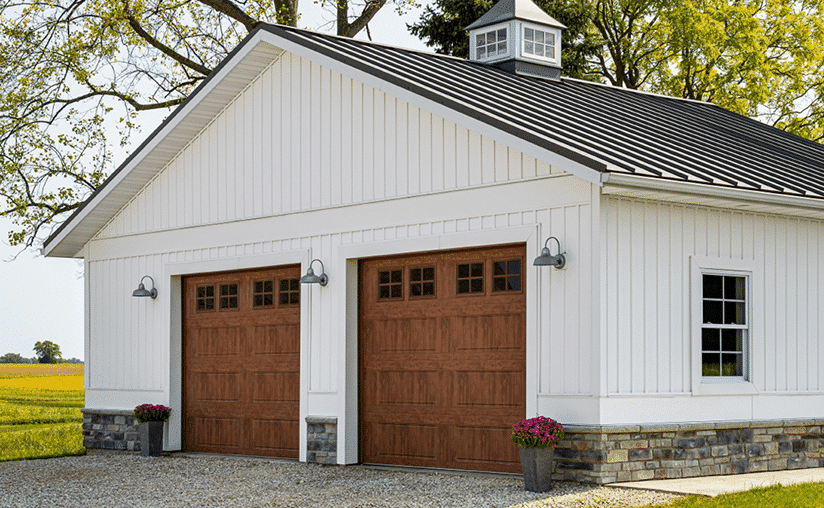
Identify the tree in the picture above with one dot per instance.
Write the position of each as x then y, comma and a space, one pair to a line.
75, 74
760, 58
47, 352
13, 358
442, 27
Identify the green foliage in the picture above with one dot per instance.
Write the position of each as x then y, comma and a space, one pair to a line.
37, 423
26, 406
75, 75
47, 351
42, 442
808, 495
442, 27
13, 358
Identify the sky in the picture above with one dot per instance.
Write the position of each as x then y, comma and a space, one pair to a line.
42, 298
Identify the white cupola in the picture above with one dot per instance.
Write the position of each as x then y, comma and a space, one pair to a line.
517, 36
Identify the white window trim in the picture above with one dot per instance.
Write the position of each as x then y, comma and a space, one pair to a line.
485, 30
748, 268
543, 28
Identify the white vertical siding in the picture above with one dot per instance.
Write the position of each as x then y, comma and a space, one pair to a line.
129, 336
301, 138
646, 265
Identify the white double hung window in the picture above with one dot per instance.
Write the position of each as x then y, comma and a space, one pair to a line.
724, 326
723, 307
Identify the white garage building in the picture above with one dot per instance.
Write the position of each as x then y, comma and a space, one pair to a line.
683, 336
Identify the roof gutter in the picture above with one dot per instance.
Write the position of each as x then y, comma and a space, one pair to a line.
613, 182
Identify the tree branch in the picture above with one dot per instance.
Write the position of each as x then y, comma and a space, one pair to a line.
177, 57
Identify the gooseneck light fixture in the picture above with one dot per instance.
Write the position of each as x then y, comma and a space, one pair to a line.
547, 259
311, 278
141, 290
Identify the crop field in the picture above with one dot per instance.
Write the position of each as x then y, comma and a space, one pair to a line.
40, 411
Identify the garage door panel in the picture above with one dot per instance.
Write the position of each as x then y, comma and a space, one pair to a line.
215, 433
404, 443
274, 340
479, 445
275, 437
407, 388
213, 341
217, 387
503, 389
490, 332
275, 387
425, 365
242, 362
404, 335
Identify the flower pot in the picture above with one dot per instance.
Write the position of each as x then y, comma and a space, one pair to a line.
537, 466
151, 438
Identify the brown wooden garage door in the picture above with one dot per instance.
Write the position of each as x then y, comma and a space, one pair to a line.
241, 362
442, 363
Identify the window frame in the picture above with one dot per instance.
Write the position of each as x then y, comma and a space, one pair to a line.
748, 269
510, 43
537, 28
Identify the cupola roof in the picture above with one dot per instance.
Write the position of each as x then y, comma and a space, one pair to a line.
506, 10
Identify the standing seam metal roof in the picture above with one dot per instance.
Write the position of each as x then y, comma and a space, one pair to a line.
603, 127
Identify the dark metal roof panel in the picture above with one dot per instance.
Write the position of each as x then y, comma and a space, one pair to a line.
633, 132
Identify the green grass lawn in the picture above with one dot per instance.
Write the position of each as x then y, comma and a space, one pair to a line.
807, 495
40, 414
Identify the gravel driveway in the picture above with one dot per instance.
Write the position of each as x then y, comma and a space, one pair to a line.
129, 480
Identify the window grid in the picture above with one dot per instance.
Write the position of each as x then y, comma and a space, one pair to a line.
506, 275
422, 282
228, 296
264, 294
724, 326
490, 44
390, 285
289, 293
539, 43
205, 298
470, 278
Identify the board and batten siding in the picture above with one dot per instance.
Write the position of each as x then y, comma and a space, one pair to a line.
646, 267
301, 137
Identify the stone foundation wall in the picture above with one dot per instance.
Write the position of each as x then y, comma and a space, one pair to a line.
322, 439
608, 454
110, 429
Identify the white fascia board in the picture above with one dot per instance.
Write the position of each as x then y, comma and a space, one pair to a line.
621, 183
157, 139
554, 159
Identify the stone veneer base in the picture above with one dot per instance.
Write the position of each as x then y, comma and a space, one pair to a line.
322, 439
110, 429
604, 454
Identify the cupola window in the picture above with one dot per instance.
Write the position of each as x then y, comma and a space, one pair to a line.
539, 43
490, 44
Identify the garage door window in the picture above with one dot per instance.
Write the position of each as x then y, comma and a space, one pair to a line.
228, 297
422, 282
205, 298
289, 292
506, 275
390, 285
264, 295
470, 278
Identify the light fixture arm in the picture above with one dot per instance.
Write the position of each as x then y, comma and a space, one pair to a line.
556, 241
